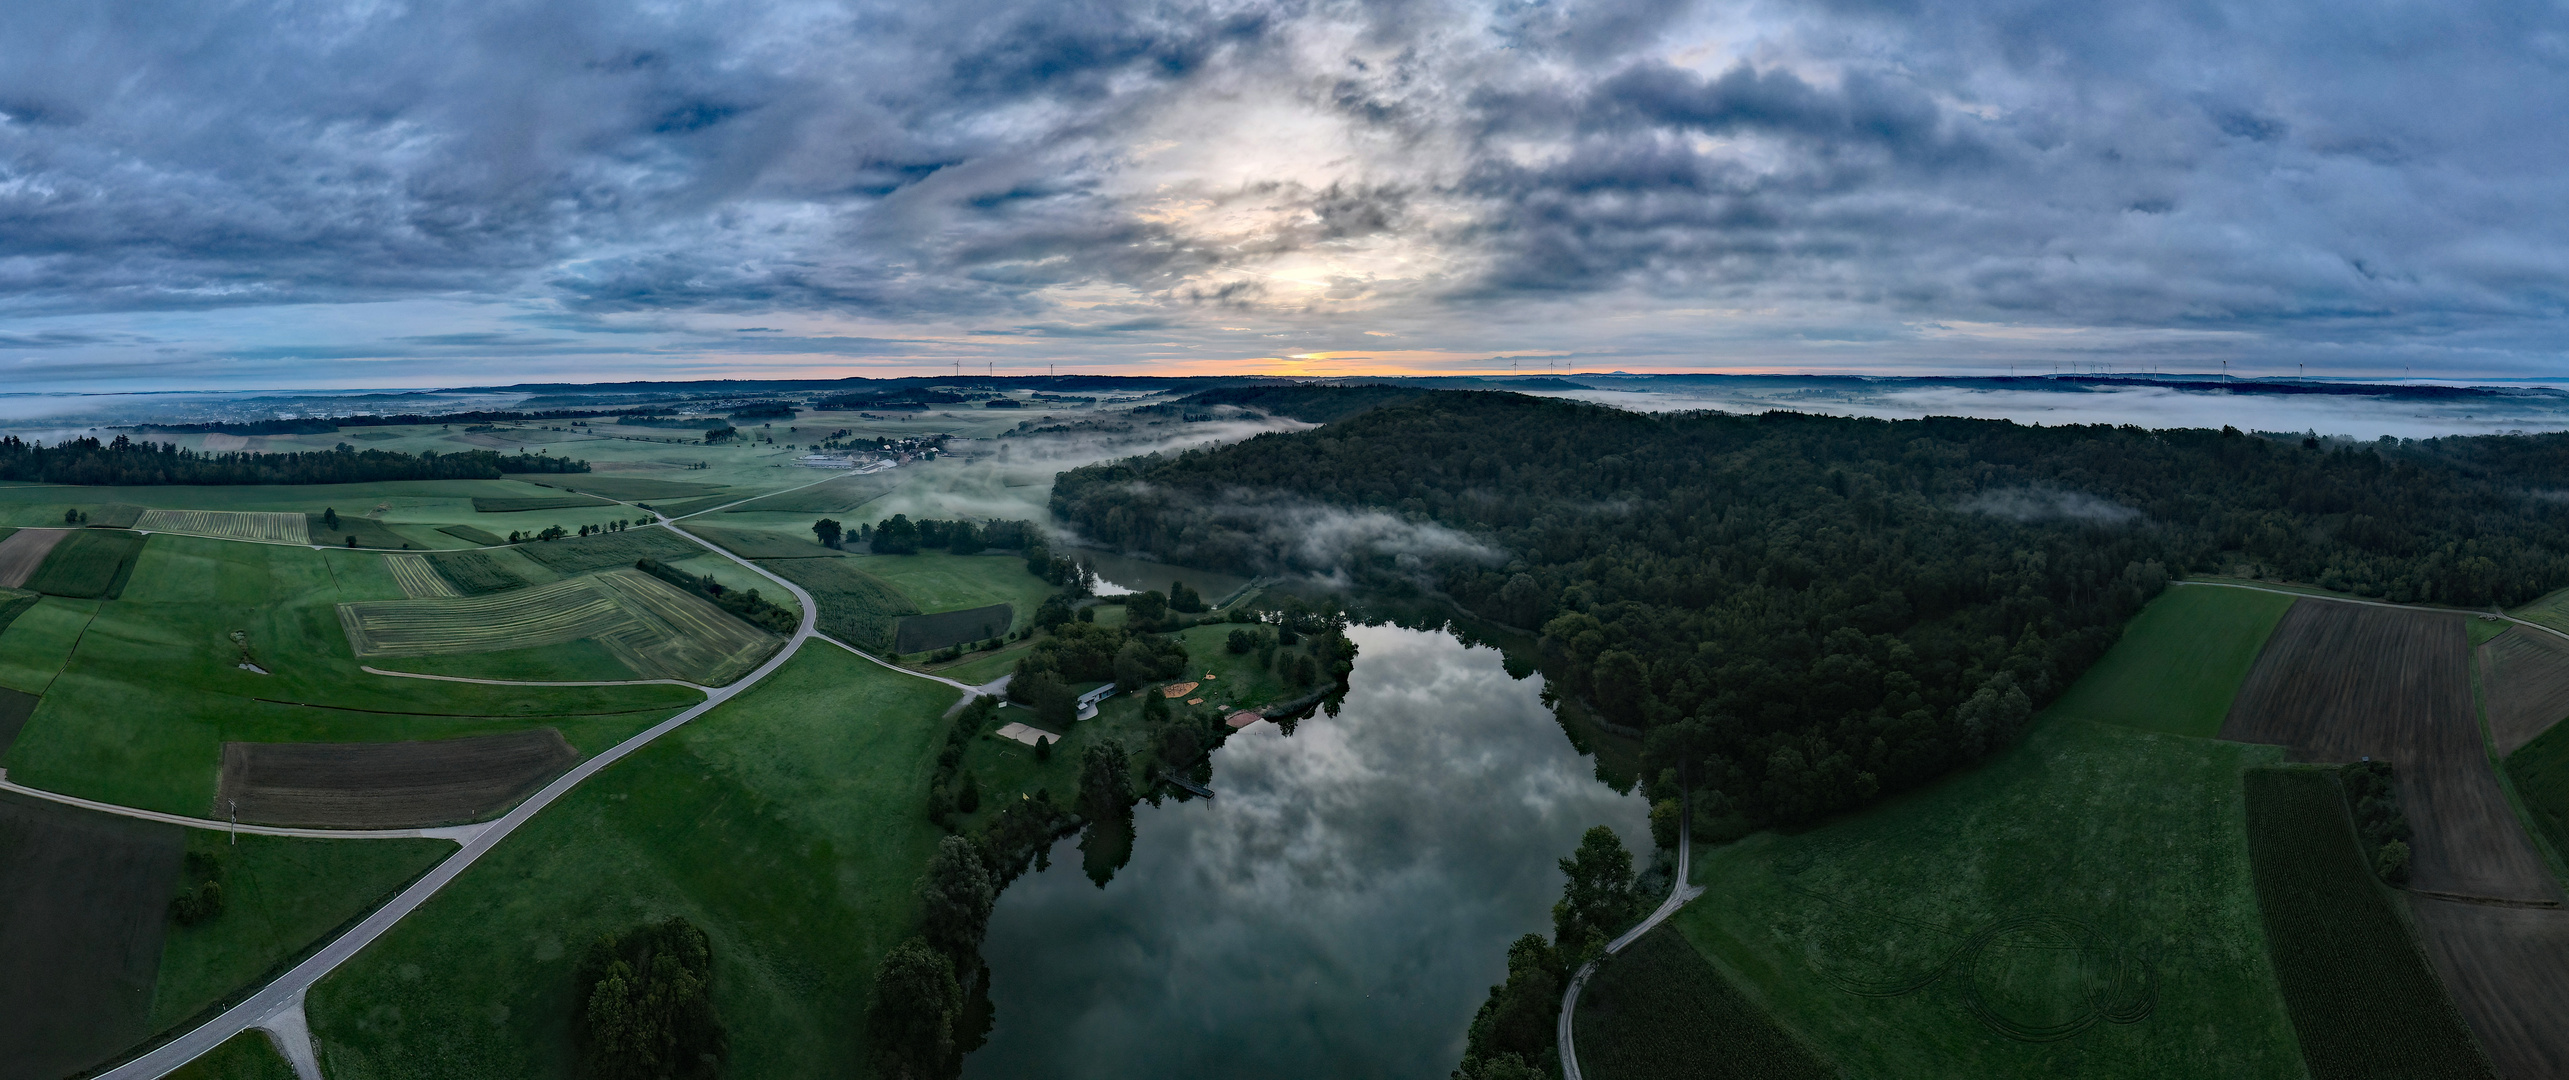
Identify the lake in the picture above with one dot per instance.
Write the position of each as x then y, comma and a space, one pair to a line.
1340, 910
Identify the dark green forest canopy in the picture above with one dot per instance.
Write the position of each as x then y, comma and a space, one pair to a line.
1808, 611
126, 462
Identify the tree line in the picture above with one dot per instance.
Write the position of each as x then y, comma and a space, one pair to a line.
125, 462
1799, 613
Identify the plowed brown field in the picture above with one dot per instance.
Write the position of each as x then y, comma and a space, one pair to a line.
84, 900
2526, 676
2508, 971
387, 785
24, 551
2340, 681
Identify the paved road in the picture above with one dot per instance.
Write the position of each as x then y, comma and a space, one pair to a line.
1678, 896
277, 1008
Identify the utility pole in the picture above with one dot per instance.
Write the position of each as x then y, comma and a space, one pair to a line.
236, 822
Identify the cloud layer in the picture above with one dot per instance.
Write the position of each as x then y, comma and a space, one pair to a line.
597, 187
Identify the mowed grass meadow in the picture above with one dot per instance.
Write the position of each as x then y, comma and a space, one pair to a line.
280, 895
2103, 873
137, 712
789, 824
2179, 662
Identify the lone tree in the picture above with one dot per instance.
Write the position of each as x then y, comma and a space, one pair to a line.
330, 517
916, 1004
1597, 901
828, 531
646, 1005
1105, 780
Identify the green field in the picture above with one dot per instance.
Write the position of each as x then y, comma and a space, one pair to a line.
2362, 996
2551, 610
1657, 1011
937, 581
2094, 879
832, 497
246, 1056
658, 630
141, 708
34, 645
628, 488
761, 544
471, 534
2179, 661
790, 835
2539, 769
369, 533
16, 602
855, 607
473, 573
514, 505
88, 564
280, 896
580, 554
569, 661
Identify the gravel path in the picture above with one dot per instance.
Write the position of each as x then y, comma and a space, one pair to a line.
1678, 896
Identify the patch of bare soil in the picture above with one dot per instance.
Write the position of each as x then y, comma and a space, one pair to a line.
2526, 676
84, 901
2508, 971
24, 551
2341, 681
387, 785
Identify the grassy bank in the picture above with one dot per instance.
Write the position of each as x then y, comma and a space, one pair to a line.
280, 895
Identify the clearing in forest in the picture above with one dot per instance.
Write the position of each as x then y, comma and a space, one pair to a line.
650, 625
2526, 673
2343, 681
388, 785
24, 551
228, 525
2179, 661
418, 579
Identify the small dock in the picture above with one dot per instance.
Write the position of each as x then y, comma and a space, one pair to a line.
1183, 784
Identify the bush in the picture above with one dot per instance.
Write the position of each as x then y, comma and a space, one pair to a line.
646, 1005
194, 906
912, 1019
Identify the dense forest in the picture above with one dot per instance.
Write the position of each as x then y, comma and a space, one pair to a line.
1802, 613
126, 463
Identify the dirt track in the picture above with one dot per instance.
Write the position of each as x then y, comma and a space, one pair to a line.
387, 785
25, 550
2342, 681
2526, 676
83, 904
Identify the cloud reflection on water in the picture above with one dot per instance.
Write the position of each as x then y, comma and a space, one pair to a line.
1340, 910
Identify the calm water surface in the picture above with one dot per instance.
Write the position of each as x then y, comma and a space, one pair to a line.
1341, 910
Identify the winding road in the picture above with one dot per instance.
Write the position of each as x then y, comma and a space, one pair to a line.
277, 1008
1678, 896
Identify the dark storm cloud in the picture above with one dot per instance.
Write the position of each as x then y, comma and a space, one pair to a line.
2335, 179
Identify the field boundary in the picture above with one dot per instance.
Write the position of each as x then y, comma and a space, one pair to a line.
459, 834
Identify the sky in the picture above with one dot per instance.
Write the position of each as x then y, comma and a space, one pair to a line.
379, 194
